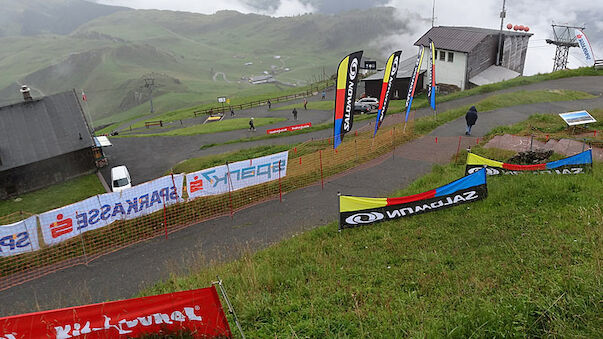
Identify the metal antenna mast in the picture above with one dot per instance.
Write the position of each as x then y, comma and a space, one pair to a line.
433, 14
503, 14
564, 38
150, 84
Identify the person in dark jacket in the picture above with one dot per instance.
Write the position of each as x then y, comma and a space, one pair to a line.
471, 118
294, 113
251, 125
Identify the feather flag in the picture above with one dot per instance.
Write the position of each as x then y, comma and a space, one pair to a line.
431, 88
347, 82
413, 81
389, 75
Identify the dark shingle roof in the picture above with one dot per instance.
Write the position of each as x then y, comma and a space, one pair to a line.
405, 68
42, 129
460, 39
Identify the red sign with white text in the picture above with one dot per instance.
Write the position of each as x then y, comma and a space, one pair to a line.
197, 312
288, 128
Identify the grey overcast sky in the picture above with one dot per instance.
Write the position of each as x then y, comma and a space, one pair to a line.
537, 14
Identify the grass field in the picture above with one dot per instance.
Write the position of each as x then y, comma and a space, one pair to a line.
214, 127
54, 196
523, 262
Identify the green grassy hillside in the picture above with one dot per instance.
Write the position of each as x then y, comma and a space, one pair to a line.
523, 262
208, 55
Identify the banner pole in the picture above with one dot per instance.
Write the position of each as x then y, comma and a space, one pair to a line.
322, 182
229, 305
175, 188
280, 189
339, 205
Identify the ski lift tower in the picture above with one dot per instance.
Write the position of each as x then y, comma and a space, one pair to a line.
564, 39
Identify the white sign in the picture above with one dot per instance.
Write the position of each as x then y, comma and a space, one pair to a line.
221, 99
232, 177
577, 118
585, 47
20, 237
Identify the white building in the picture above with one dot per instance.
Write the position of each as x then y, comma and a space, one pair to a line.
466, 56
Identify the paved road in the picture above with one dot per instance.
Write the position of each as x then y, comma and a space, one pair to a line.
123, 273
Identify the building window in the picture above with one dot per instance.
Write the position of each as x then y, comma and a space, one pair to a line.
442, 55
450, 57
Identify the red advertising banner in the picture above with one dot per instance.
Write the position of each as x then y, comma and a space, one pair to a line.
197, 312
288, 128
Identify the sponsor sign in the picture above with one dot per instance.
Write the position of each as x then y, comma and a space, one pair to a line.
238, 175
413, 81
347, 81
372, 65
358, 211
197, 312
577, 118
289, 128
577, 164
99, 211
20, 237
389, 75
585, 47
432, 84
221, 99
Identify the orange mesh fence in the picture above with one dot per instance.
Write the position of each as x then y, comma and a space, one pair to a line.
307, 164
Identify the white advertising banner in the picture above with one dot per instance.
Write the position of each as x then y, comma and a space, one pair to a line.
242, 174
585, 47
139, 200
67, 222
20, 237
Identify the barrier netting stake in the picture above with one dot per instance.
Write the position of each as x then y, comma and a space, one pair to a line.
458, 149
165, 219
280, 188
230, 191
83, 246
322, 182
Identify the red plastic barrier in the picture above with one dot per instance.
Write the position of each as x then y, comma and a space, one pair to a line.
288, 128
197, 312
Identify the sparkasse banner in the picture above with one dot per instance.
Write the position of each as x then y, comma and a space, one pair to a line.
585, 46
198, 312
238, 175
19, 237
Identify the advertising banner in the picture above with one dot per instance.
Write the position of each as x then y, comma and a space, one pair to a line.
238, 175
137, 201
64, 223
432, 84
347, 82
585, 47
358, 211
576, 164
20, 237
197, 312
413, 81
389, 75
289, 128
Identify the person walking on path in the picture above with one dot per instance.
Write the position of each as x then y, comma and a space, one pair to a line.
269, 104
324, 95
305, 104
471, 118
231, 112
251, 125
294, 114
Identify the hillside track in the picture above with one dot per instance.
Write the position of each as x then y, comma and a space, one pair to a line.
123, 273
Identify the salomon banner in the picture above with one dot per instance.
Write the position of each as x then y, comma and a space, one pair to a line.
585, 47
389, 75
99, 211
20, 237
347, 81
196, 314
357, 211
413, 81
232, 177
432, 83
576, 164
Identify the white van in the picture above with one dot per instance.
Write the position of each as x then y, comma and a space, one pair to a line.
120, 178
